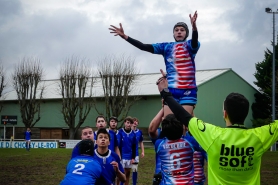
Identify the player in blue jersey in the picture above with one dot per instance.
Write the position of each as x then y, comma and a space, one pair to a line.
108, 159
155, 134
113, 123
86, 133
101, 123
179, 60
27, 137
139, 138
84, 169
128, 146
175, 153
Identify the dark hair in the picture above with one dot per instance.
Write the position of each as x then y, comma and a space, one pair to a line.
182, 24
237, 107
135, 119
113, 118
128, 118
86, 146
86, 127
100, 116
171, 127
103, 131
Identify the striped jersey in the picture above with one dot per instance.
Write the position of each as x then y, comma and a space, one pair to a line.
176, 161
180, 65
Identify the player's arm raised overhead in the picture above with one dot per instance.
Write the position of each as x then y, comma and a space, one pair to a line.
120, 32
155, 124
193, 19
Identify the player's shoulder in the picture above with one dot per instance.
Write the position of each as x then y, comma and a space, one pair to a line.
114, 155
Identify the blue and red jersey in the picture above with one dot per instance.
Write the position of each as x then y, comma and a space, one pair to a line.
180, 65
176, 161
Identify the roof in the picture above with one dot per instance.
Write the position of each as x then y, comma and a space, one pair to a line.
144, 85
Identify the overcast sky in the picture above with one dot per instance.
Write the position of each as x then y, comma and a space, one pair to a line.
233, 34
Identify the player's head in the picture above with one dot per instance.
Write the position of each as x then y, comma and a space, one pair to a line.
180, 31
113, 122
100, 122
128, 121
171, 127
103, 138
28, 129
86, 147
87, 133
135, 122
236, 108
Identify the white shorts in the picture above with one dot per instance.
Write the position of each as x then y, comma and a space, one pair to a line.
134, 167
126, 163
136, 160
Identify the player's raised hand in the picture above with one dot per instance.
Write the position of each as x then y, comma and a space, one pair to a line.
115, 165
193, 20
118, 31
162, 81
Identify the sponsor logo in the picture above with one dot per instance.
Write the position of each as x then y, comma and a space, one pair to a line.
187, 93
236, 158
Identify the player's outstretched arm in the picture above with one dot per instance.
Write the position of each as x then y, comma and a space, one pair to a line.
118, 31
193, 19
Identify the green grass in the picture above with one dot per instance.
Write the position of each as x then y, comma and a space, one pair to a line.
47, 166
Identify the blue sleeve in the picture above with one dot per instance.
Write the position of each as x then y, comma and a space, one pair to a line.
115, 140
157, 143
141, 136
75, 151
192, 51
159, 48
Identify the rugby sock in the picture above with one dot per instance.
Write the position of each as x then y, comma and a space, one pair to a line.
134, 178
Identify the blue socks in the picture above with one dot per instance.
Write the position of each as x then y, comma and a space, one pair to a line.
134, 178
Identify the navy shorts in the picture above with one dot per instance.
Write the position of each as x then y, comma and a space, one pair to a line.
185, 96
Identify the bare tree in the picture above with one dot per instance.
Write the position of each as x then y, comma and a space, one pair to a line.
26, 78
3, 83
76, 95
118, 75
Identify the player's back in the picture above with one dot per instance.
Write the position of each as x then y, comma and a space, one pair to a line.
176, 161
82, 170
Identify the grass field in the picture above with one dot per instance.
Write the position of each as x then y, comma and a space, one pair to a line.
47, 167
